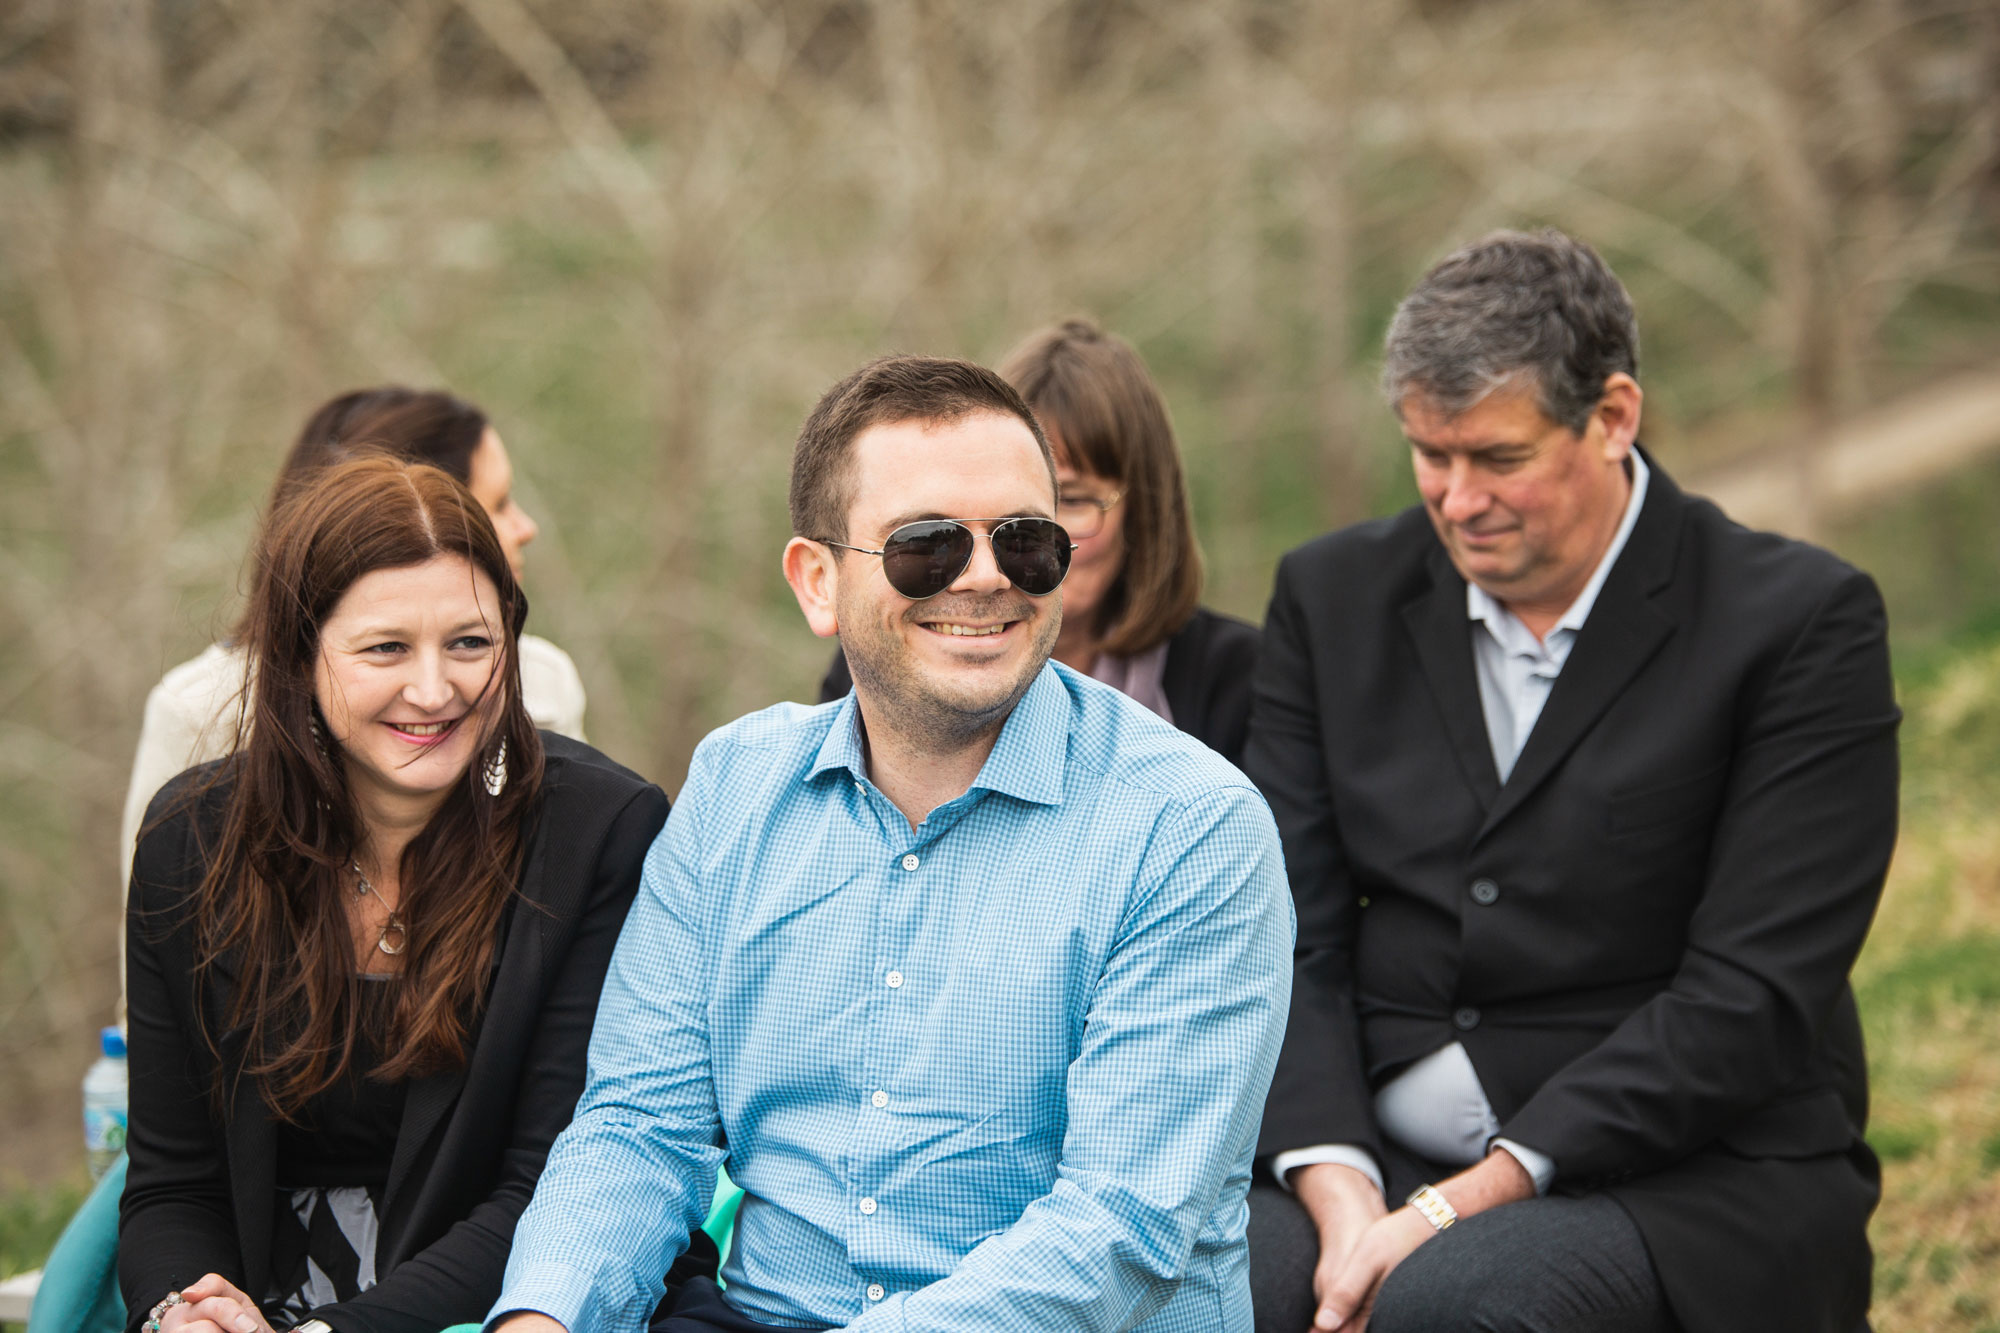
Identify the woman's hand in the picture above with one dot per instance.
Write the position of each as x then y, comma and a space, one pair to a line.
212, 1305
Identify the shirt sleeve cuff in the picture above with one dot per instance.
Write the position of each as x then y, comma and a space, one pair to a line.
1333, 1154
560, 1292
1541, 1168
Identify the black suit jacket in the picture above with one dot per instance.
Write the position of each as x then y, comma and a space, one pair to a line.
201, 1190
1211, 661
1643, 937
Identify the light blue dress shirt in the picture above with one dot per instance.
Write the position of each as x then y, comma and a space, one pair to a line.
1437, 1107
1003, 1072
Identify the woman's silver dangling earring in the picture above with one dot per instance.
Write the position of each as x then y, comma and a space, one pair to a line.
495, 772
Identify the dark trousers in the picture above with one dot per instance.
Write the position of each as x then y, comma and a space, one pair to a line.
699, 1308
1549, 1265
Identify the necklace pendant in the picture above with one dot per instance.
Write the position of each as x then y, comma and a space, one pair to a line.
391, 927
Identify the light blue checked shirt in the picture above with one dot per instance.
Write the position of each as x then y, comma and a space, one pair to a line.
1004, 1072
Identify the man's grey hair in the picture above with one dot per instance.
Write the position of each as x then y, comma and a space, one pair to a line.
1535, 309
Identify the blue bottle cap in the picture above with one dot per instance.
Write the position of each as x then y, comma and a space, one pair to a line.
112, 1042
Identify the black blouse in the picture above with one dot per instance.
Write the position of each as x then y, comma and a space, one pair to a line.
347, 1134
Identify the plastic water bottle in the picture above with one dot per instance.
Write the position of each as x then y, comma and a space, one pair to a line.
104, 1103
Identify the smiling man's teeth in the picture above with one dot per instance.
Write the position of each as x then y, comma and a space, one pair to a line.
421, 728
968, 631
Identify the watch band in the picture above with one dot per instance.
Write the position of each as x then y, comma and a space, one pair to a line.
314, 1326
1432, 1206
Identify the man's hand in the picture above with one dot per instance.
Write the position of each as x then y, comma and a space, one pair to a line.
1343, 1205
1349, 1299
1347, 1304
527, 1321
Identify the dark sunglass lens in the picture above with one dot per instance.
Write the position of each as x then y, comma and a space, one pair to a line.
921, 559
1033, 553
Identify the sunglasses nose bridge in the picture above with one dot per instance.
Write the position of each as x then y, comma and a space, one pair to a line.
981, 571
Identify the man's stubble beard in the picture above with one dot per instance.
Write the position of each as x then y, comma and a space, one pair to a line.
928, 719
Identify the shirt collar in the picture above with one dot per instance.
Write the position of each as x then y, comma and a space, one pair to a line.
1027, 759
841, 748
1482, 605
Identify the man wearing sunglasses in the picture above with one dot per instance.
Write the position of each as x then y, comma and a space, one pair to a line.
973, 979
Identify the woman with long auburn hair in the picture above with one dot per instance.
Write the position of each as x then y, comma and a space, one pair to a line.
194, 713
366, 946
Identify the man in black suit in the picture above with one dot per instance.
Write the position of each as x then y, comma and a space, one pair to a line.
1587, 795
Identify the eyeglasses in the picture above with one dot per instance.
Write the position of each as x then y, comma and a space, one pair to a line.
1083, 515
924, 558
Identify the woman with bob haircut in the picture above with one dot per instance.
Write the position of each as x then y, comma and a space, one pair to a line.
1131, 613
366, 946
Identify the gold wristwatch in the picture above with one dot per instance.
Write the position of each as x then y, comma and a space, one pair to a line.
1432, 1206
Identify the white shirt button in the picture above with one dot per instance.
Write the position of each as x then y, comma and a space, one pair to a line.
875, 1292
910, 861
880, 1098
895, 980
868, 1207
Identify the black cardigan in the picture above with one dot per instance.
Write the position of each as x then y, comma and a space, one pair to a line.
1210, 662
200, 1192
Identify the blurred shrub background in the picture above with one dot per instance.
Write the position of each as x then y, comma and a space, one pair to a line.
644, 234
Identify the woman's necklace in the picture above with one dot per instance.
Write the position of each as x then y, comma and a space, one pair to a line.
393, 926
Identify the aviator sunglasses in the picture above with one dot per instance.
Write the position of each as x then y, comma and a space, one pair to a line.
924, 558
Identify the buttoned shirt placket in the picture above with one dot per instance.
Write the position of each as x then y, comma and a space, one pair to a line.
891, 1007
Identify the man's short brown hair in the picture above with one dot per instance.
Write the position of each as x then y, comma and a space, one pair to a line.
885, 391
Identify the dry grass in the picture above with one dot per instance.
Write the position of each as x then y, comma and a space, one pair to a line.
1929, 984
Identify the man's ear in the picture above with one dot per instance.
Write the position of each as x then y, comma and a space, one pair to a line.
815, 578
1617, 412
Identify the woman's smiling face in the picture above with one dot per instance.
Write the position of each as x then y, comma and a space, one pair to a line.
402, 679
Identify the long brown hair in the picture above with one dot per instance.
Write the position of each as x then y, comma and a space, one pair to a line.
1105, 415
271, 906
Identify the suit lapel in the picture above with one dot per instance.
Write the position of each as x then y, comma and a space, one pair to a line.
430, 1101
253, 1172
425, 1107
426, 1104
1625, 628
1437, 624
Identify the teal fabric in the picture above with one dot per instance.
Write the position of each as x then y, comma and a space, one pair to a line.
79, 1291
721, 1223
